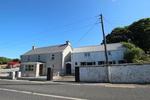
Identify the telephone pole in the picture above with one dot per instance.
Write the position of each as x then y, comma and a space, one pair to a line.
104, 39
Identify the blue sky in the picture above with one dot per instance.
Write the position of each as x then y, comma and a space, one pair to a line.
24, 23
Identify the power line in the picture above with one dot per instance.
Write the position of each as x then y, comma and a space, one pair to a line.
107, 21
75, 22
79, 21
77, 28
87, 32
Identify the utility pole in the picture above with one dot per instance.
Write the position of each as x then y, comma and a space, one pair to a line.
104, 39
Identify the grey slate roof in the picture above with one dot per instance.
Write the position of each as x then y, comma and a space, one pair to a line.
110, 47
49, 49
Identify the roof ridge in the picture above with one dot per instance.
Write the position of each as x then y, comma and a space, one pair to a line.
95, 45
50, 46
48, 49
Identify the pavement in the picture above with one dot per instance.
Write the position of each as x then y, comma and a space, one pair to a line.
48, 90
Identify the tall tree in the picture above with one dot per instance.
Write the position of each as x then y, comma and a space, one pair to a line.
137, 33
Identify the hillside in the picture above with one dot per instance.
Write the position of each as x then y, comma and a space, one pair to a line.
137, 33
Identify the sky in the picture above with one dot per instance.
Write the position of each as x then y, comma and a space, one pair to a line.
24, 23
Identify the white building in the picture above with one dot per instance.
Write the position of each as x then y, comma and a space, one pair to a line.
95, 55
35, 62
63, 59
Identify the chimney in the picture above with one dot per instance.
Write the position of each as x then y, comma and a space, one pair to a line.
68, 43
33, 47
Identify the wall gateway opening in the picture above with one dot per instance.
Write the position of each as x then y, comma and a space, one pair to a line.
68, 69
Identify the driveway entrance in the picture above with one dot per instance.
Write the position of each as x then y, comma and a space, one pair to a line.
68, 69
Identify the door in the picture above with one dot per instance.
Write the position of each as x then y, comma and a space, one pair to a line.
41, 70
68, 69
49, 74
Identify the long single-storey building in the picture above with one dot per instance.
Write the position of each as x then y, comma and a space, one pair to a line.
95, 55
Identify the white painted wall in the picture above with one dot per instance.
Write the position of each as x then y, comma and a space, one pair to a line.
58, 63
66, 57
117, 74
93, 74
116, 55
130, 74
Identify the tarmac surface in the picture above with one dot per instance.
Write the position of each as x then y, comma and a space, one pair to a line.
45, 90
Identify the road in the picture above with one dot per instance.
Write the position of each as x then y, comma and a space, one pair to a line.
26, 90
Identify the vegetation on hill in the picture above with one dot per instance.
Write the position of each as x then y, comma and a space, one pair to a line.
137, 33
135, 54
4, 60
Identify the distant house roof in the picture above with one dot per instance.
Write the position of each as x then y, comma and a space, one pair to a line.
49, 49
110, 47
13, 63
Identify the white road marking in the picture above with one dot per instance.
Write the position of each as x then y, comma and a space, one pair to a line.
40, 94
120, 86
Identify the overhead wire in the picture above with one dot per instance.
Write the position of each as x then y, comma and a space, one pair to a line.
86, 33
79, 21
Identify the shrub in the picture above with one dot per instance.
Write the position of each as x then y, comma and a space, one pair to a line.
134, 54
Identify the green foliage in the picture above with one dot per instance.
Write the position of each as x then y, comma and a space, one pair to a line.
137, 33
4, 60
118, 35
135, 54
128, 45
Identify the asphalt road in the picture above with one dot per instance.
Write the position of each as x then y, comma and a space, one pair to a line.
24, 90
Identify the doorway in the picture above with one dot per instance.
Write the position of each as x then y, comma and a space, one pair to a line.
68, 69
41, 69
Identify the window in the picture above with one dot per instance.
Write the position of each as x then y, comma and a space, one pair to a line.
101, 62
87, 63
39, 57
29, 67
87, 54
28, 58
83, 63
76, 63
109, 52
110, 62
114, 62
91, 63
26, 67
53, 57
121, 61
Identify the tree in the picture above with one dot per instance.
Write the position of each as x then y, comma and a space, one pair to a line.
118, 35
141, 33
4, 60
137, 33
134, 54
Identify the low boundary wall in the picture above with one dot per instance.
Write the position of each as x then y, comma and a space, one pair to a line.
129, 73
93, 74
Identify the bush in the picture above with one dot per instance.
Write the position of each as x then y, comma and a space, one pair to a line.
134, 54
128, 45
